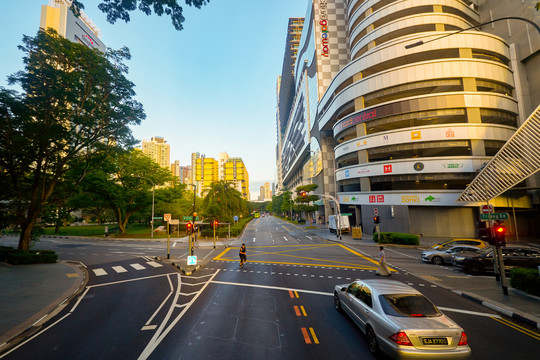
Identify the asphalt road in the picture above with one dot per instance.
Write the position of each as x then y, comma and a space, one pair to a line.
279, 306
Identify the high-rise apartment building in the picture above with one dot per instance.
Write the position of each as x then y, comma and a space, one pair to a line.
59, 17
208, 170
158, 150
181, 172
285, 88
383, 126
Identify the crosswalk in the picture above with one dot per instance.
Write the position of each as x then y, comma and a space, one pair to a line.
118, 269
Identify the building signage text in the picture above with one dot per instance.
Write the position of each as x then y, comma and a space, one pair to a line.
324, 27
357, 119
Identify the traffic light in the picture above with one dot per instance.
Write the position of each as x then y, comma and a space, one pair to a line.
215, 224
377, 219
189, 228
303, 194
499, 235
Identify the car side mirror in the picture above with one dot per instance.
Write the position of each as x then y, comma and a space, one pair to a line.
343, 289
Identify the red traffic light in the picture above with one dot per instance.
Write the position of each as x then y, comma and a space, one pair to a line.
303, 194
500, 230
189, 225
215, 223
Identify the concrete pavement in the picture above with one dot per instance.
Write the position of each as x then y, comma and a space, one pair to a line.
32, 294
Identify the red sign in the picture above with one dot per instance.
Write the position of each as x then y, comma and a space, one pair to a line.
484, 209
372, 198
380, 198
387, 169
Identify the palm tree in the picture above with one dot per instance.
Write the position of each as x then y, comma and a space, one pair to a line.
222, 201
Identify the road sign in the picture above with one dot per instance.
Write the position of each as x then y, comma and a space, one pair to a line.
484, 209
158, 218
174, 222
376, 211
346, 214
192, 260
495, 216
189, 218
167, 217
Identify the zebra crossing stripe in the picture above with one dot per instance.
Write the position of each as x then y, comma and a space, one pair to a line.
137, 266
99, 272
154, 264
119, 269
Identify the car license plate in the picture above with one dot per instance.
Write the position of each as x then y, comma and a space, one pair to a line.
435, 341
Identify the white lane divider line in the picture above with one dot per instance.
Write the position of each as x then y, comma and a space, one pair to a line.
99, 272
137, 266
254, 239
285, 238
119, 269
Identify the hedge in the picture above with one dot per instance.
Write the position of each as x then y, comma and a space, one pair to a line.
526, 279
21, 257
396, 238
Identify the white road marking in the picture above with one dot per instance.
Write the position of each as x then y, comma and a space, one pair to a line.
99, 272
137, 266
469, 312
271, 287
149, 327
285, 238
154, 264
254, 239
119, 269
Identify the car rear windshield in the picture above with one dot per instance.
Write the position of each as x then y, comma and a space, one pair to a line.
408, 305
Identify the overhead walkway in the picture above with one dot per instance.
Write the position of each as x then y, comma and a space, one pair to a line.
518, 159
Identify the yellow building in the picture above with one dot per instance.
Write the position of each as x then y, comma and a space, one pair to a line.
206, 171
235, 172
158, 150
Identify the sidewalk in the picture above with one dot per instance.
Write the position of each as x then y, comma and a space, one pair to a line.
32, 294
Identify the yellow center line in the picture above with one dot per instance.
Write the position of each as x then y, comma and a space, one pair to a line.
313, 335
518, 328
303, 310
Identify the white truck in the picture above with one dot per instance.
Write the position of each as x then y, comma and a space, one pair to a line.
343, 223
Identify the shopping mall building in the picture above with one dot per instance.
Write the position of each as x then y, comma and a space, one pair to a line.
401, 130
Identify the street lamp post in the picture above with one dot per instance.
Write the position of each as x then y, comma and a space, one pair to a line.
153, 187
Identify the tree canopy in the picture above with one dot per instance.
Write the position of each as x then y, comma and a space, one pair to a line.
75, 103
120, 9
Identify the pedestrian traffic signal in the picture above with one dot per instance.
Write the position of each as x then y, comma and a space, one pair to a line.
377, 219
499, 235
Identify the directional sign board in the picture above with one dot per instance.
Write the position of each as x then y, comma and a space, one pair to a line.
496, 216
192, 260
189, 218
346, 214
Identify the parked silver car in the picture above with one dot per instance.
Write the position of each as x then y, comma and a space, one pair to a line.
401, 322
440, 257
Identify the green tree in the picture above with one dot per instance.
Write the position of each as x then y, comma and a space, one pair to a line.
277, 200
76, 102
286, 204
222, 202
303, 199
125, 183
116, 9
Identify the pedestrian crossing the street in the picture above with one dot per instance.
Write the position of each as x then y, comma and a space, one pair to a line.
119, 269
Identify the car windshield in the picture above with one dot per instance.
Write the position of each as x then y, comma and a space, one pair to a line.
408, 305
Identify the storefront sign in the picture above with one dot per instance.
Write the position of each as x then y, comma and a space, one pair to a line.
355, 119
324, 27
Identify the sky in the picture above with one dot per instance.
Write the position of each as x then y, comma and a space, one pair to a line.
209, 88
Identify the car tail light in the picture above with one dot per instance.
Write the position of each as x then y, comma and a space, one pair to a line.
401, 338
463, 339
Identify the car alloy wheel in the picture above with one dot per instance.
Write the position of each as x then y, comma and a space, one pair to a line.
337, 303
372, 340
437, 260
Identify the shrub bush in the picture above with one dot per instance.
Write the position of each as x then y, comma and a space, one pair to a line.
397, 238
20, 257
526, 279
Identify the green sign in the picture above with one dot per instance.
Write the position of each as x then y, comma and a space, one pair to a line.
158, 218
495, 216
190, 218
346, 214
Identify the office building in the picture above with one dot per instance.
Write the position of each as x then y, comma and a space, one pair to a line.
402, 130
59, 17
158, 150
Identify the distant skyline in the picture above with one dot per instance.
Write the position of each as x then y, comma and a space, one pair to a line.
209, 88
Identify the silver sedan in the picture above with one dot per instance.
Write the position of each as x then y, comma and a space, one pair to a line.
399, 321
440, 257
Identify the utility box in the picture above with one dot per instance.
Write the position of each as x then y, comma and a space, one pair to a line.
357, 232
